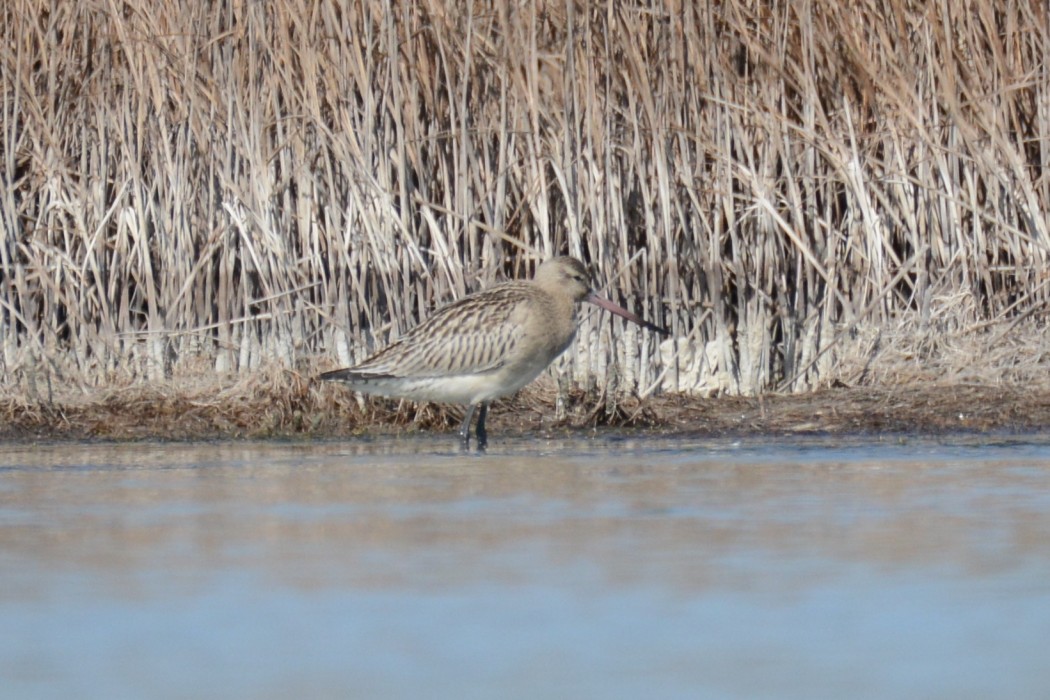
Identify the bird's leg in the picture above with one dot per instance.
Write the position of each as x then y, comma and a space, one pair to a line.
464, 427
483, 436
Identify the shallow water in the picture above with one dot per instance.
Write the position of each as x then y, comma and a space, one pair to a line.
601, 568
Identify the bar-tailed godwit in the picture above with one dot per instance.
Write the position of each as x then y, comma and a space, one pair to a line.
485, 345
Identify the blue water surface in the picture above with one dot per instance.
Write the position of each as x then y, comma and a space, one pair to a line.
602, 567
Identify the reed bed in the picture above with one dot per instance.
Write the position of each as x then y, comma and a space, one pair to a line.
805, 193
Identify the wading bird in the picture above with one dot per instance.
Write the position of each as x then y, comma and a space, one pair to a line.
485, 345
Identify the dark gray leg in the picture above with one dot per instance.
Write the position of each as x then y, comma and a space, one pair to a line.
483, 436
464, 427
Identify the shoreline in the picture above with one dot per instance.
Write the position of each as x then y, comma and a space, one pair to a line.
306, 412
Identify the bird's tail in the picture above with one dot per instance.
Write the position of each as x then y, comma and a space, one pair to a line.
339, 375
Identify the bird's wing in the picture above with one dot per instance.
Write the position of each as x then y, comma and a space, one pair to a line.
471, 336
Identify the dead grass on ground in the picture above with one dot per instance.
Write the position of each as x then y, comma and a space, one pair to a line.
325, 412
910, 379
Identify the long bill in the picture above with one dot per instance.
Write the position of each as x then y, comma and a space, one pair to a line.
624, 313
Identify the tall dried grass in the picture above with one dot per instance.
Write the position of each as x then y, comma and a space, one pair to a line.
244, 183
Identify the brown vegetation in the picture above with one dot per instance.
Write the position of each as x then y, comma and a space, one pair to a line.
286, 405
208, 202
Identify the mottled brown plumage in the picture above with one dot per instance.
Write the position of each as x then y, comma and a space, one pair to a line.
485, 345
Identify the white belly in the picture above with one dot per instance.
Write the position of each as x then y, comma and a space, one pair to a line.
459, 389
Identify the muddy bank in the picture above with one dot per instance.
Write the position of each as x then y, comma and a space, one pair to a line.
292, 407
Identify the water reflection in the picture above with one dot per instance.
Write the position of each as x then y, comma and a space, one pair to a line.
561, 558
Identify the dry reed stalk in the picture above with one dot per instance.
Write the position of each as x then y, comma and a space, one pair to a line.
249, 184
